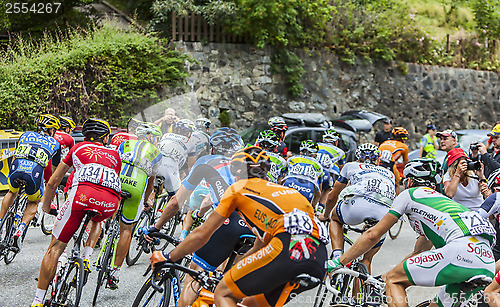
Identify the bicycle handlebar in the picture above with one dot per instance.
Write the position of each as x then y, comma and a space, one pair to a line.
203, 277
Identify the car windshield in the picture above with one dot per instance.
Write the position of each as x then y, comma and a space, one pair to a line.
467, 139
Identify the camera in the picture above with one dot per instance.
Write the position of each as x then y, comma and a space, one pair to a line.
473, 165
473, 146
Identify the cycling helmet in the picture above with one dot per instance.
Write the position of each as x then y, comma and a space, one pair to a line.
250, 162
225, 141
423, 170
203, 123
308, 147
399, 133
48, 121
184, 127
267, 139
277, 123
146, 129
494, 179
95, 128
330, 136
367, 153
67, 122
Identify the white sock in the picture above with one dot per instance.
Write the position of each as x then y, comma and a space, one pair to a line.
87, 252
39, 295
116, 271
337, 253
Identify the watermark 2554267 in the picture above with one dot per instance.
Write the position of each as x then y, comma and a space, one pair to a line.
32, 8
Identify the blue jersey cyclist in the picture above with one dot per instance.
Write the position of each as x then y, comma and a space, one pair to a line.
304, 173
269, 141
33, 153
215, 170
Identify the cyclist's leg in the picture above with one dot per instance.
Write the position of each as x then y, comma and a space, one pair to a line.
336, 231
396, 283
190, 289
90, 243
492, 292
7, 201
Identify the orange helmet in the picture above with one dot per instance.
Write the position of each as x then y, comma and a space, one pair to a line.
399, 133
252, 161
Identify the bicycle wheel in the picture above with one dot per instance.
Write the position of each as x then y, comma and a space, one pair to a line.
47, 223
355, 289
148, 296
104, 264
70, 287
396, 230
7, 238
136, 244
323, 296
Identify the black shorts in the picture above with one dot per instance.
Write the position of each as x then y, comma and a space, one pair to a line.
222, 243
265, 273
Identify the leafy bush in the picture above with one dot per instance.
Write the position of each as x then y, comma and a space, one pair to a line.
487, 17
102, 72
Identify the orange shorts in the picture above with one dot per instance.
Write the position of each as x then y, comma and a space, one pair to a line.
265, 273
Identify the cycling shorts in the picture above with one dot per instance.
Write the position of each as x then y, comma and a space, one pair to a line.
197, 197
265, 273
306, 188
327, 182
450, 265
83, 198
392, 167
134, 181
30, 172
169, 170
222, 243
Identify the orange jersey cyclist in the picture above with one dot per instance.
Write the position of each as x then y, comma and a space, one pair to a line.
291, 240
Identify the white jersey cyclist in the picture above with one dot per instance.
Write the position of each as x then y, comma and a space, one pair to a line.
175, 148
305, 168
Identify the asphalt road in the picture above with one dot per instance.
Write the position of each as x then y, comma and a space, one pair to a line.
18, 284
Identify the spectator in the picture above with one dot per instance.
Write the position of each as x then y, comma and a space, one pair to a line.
167, 121
385, 134
460, 184
491, 161
429, 144
448, 141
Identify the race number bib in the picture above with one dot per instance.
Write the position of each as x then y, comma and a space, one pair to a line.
386, 156
41, 157
22, 151
476, 224
325, 161
298, 222
100, 175
381, 187
324, 236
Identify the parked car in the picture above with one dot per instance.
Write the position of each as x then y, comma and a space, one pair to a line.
306, 126
360, 120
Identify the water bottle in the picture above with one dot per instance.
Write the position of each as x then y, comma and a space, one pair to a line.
61, 263
17, 218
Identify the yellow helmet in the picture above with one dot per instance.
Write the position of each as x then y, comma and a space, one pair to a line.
48, 121
495, 131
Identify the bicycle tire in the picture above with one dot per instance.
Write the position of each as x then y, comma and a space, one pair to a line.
148, 296
47, 223
72, 281
8, 237
424, 303
104, 263
394, 234
136, 243
323, 296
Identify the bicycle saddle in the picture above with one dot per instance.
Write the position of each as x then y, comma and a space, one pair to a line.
478, 281
20, 182
125, 195
306, 281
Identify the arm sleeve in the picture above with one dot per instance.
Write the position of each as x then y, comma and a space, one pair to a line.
489, 162
400, 203
423, 141
489, 206
344, 174
56, 159
446, 177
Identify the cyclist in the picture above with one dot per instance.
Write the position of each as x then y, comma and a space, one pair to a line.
362, 191
462, 239
63, 136
332, 159
140, 160
215, 170
33, 153
392, 150
199, 140
175, 148
278, 125
96, 188
304, 173
121, 137
290, 241
269, 141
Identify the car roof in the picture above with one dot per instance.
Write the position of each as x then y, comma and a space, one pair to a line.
338, 129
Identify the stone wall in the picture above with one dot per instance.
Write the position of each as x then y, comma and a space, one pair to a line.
238, 78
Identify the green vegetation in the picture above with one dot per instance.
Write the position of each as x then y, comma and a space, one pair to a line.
99, 72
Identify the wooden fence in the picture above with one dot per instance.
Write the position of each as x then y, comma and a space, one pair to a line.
194, 28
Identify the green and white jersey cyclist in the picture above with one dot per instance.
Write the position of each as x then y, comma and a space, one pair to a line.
269, 141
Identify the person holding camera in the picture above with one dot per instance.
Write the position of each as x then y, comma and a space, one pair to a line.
464, 182
491, 161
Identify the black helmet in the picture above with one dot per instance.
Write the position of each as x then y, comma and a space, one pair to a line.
225, 141
67, 122
95, 128
250, 162
184, 127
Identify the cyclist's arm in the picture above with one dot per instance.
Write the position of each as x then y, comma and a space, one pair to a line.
333, 197
50, 189
191, 161
369, 238
421, 245
198, 237
149, 188
173, 206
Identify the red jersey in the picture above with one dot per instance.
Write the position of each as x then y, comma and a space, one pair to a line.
66, 141
95, 165
121, 137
